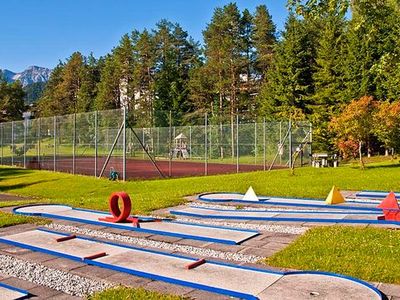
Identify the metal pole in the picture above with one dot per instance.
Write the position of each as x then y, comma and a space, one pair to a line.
73, 143
124, 145
255, 143
290, 143
170, 145
264, 146
55, 142
237, 143
1, 141
143, 140
190, 142
95, 143
205, 145
311, 139
111, 150
25, 130
12, 143
280, 142
39, 137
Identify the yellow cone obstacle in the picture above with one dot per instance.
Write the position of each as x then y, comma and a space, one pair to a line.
335, 197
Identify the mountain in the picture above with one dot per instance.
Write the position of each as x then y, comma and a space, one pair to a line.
31, 75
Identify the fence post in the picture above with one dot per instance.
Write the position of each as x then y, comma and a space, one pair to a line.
25, 130
1, 141
73, 143
39, 138
124, 145
170, 146
12, 143
95, 143
290, 143
311, 139
280, 142
190, 142
143, 141
237, 143
55, 141
206, 144
264, 146
255, 143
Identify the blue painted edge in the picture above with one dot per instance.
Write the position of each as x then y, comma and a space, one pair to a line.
175, 281
271, 202
163, 233
362, 282
276, 219
26, 293
292, 212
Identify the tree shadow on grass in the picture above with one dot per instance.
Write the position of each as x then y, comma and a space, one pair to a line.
13, 172
22, 185
391, 166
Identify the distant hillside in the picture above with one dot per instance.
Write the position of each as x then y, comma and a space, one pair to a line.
34, 91
31, 75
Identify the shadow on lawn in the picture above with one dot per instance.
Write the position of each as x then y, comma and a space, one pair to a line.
13, 172
391, 166
22, 185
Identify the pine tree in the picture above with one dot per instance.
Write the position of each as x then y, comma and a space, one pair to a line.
264, 39
289, 87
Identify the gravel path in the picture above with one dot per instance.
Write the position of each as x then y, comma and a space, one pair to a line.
231, 256
262, 227
55, 279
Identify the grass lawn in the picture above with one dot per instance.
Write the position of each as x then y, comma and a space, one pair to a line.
147, 195
368, 253
131, 293
8, 219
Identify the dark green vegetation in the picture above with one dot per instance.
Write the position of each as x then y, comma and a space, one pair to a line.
148, 195
131, 293
367, 253
8, 219
11, 100
33, 92
319, 63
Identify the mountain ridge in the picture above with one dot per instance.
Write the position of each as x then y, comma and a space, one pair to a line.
32, 74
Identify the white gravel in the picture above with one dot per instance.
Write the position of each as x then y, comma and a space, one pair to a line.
55, 279
231, 256
261, 227
226, 207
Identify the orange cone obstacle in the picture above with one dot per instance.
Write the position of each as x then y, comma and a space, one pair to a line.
390, 207
335, 197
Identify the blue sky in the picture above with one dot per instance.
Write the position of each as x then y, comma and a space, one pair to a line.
41, 32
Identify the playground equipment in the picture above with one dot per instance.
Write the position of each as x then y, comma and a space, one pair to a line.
222, 278
9, 292
121, 219
181, 149
390, 207
334, 196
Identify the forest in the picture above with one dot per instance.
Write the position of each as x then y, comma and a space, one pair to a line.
336, 63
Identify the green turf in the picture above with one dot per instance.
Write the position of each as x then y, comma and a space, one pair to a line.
147, 195
368, 253
121, 293
8, 219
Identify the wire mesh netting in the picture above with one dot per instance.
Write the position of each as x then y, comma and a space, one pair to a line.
101, 143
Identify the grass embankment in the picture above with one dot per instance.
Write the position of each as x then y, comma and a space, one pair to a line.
8, 219
147, 195
131, 293
368, 253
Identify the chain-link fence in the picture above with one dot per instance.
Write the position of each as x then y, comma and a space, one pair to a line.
104, 143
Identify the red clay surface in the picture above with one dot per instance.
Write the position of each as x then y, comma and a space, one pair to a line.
138, 168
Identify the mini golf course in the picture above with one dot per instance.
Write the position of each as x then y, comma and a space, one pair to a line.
10, 292
202, 273
222, 278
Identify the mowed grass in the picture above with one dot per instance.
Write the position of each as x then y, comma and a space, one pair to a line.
121, 293
8, 219
368, 253
147, 195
